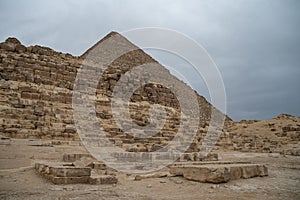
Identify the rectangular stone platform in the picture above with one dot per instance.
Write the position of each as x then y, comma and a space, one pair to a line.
218, 172
67, 173
63, 173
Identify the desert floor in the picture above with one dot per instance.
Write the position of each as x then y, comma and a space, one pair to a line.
19, 179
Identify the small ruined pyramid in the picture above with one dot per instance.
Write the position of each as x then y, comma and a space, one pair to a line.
37, 86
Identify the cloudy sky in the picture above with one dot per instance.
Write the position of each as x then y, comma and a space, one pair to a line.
255, 43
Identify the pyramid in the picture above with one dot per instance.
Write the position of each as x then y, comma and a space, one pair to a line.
138, 57
142, 98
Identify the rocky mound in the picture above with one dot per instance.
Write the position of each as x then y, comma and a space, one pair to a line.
277, 135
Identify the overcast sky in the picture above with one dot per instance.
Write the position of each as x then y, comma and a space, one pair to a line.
255, 43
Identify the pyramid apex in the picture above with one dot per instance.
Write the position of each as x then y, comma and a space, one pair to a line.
110, 34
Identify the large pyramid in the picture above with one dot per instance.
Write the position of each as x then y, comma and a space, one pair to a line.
37, 86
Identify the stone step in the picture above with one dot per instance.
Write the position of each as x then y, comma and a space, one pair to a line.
219, 172
68, 171
75, 157
61, 169
98, 165
197, 157
63, 173
40, 143
102, 179
209, 163
68, 180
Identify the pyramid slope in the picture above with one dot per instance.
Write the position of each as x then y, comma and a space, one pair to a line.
139, 57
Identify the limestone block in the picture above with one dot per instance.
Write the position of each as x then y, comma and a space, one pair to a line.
249, 171
74, 157
159, 174
69, 171
84, 162
203, 173
235, 173
102, 179
218, 172
68, 180
262, 170
98, 165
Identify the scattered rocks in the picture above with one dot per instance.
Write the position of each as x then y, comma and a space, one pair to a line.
178, 181
152, 175
163, 181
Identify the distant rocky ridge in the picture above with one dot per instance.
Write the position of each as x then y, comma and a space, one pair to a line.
36, 85
277, 135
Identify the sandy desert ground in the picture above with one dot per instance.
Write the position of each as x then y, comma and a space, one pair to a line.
19, 179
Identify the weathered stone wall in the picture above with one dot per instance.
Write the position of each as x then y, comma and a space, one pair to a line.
36, 91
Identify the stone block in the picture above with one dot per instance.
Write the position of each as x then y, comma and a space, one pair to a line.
103, 179
69, 171
98, 165
74, 157
203, 173
262, 170
235, 173
249, 171
219, 173
68, 180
